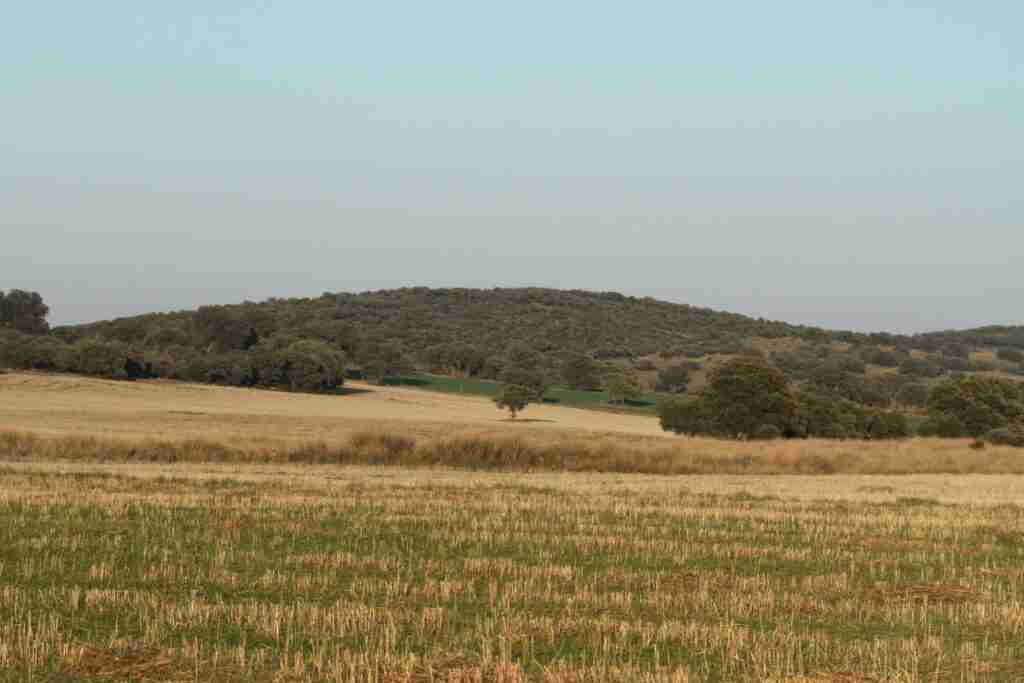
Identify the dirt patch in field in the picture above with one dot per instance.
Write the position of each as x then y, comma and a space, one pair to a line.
936, 594
138, 665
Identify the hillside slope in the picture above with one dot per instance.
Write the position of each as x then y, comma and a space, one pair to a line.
603, 325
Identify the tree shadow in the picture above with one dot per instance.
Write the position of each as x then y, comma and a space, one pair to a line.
351, 391
523, 420
638, 403
405, 382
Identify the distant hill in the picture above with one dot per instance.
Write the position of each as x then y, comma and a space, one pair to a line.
601, 324
605, 325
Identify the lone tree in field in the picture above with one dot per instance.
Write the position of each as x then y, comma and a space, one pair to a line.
514, 398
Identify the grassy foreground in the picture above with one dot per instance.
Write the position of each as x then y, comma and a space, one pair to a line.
213, 578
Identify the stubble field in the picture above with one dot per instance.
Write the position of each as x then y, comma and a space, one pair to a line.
147, 572
113, 567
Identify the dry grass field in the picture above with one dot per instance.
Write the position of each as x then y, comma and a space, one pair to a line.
65, 404
170, 532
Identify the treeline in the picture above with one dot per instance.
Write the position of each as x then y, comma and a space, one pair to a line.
303, 365
749, 398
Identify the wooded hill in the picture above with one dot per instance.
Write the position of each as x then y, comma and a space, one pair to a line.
603, 325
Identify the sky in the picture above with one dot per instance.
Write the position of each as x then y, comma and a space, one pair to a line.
855, 164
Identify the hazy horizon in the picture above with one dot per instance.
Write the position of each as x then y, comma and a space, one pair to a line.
851, 167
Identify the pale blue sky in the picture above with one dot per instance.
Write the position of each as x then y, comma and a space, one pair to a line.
852, 164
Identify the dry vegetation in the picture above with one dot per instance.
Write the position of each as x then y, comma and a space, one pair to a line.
274, 573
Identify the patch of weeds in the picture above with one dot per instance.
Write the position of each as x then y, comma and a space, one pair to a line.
917, 502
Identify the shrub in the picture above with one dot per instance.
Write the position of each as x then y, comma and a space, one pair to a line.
889, 426
981, 404
23, 311
957, 350
581, 372
685, 417
674, 379
621, 385
99, 358
913, 394
644, 365
943, 426
851, 364
307, 365
877, 356
828, 416
1007, 436
766, 432
1010, 355
919, 367
30, 352
745, 393
953, 363
795, 363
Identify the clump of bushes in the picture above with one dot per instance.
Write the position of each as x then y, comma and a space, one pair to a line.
766, 433
748, 398
1011, 355
1007, 436
942, 426
980, 404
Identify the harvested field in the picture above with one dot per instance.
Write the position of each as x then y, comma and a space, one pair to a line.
277, 573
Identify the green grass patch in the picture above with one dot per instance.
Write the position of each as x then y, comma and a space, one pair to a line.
646, 404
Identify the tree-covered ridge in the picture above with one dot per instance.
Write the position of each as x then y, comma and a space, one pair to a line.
603, 325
